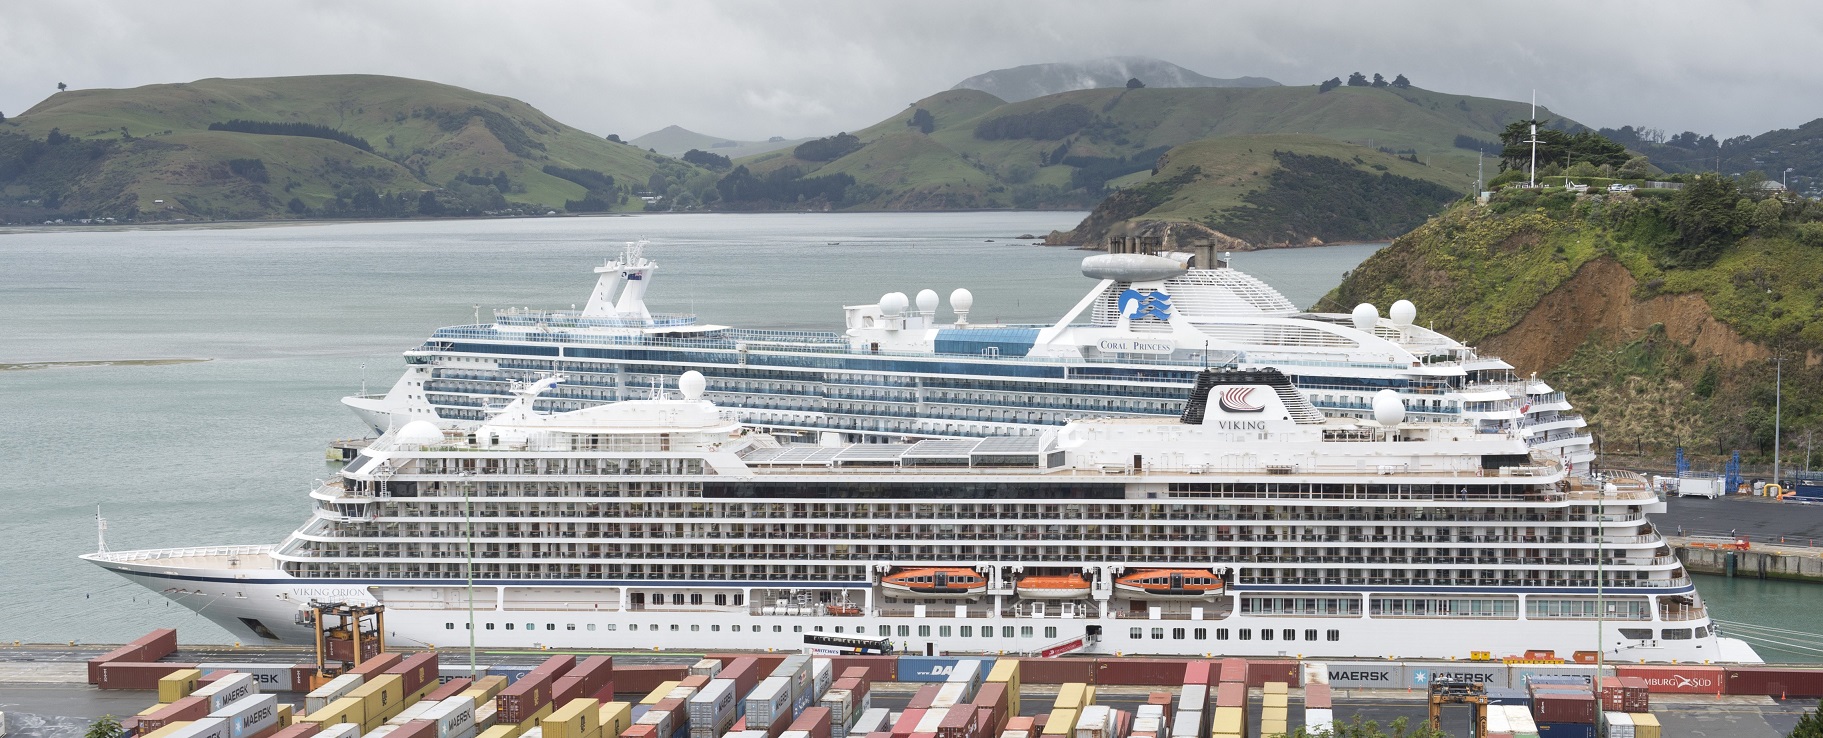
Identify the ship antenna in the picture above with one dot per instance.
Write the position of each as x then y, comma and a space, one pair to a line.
101, 531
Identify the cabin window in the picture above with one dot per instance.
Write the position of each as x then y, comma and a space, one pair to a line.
449, 626
677, 599
987, 631
1310, 635
1006, 631
715, 629
904, 631
797, 628
1221, 634
1025, 632
923, 631
696, 599
968, 631
1290, 635
569, 626
591, 627
740, 599
943, 631
1246, 634
1158, 634
1134, 634
509, 626
693, 628
1201, 634
1050, 632
886, 630
674, 627
1177, 634
721, 599
778, 628
1265, 634
490, 626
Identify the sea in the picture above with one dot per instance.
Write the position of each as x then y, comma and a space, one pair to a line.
182, 383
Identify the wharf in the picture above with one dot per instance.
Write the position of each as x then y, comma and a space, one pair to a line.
1761, 561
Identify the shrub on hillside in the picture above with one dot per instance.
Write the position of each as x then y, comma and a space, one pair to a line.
308, 130
706, 160
827, 149
1043, 125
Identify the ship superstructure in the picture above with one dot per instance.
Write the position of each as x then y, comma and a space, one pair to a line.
1250, 524
1131, 346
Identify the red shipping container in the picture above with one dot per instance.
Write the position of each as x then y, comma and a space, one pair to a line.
1316, 696
765, 663
813, 720
415, 729
449, 689
1197, 672
958, 724
879, 668
744, 673
298, 730
1021, 722
694, 681
211, 676
415, 671
1624, 694
908, 721
559, 666
641, 731
680, 712
188, 708
1168, 702
1679, 679
301, 675
565, 689
1056, 671
922, 699
1564, 707
643, 678
1234, 670
149, 647
1774, 681
522, 699
1261, 672
377, 665
987, 721
992, 694
1140, 672
341, 650
605, 693
594, 671
857, 686
1231, 694
129, 726
133, 675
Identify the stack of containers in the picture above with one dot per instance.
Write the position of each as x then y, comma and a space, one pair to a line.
147, 648
822, 674
963, 721
1020, 727
523, 703
1234, 670
768, 706
1617, 725
1096, 721
1192, 705
254, 716
1149, 721
454, 717
1006, 671
1230, 716
707, 667
991, 706
178, 685
298, 730
1319, 710
227, 690
1625, 694
929, 723
1058, 724
451, 688
1562, 707
712, 709
183, 710
418, 676
1497, 724
593, 678
796, 671
670, 718
1275, 708
483, 692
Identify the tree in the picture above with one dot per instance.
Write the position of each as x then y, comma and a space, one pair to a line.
1329, 84
103, 727
922, 120
1379, 81
428, 205
615, 137
297, 206
1707, 217
1635, 168
1133, 83
709, 161
56, 137
1401, 82
1357, 79
61, 87
1810, 725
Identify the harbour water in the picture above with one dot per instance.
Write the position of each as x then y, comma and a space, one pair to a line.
222, 451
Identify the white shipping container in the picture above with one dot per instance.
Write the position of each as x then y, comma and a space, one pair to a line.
537, 732
1015, 734
681, 693
951, 694
250, 715
822, 674
227, 690
871, 721
340, 730
660, 720
1320, 720
1147, 724
1497, 722
1195, 698
1316, 672
336, 689
484, 716
795, 734
269, 677
769, 702
932, 718
454, 716
204, 728
1620, 724
841, 709
1187, 724
711, 709
410, 713
380, 732
707, 667
1095, 721
1151, 711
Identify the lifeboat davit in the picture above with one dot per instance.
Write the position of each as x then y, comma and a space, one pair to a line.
1171, 583
1063, 587
937, 582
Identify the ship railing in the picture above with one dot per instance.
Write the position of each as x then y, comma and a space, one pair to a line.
153, 554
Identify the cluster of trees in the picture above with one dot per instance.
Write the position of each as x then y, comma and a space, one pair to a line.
706, 160
252, 170
1358, 79
1558, 147
922, 120
309, 130
1050, 124
590, 179
743, 190
1093, 172
1464, 141
509, 133
1331, 200
496, 180
828, 149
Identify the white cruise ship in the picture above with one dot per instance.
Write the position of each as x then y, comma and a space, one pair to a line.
1250, 525
1132, 345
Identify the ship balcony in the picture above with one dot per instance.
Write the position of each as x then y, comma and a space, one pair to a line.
1255, 580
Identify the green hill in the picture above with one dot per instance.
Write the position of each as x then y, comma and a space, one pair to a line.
1271, 190
675, 140
1657, 313
474, 152
1070, 149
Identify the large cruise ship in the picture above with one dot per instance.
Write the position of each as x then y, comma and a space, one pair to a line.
1249, 525
1132, 345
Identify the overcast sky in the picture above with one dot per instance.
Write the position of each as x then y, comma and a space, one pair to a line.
753, 69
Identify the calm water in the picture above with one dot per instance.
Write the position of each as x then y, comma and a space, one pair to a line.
223, 451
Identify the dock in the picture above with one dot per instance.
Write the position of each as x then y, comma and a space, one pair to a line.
1749, 559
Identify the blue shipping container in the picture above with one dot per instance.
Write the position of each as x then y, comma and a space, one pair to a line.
1566, 730
935, 668
1508, 696
512, 673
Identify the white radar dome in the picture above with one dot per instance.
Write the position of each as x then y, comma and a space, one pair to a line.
893, 303
420, 433
961, 300
927, 301
1365, 316
1389, 410
691, 384
1403, 313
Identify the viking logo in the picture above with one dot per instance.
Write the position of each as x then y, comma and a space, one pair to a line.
1146, 304
1234, 400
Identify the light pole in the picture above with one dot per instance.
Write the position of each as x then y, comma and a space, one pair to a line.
1778, 410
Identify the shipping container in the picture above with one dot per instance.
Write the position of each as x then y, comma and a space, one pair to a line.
1646, 725
950, 694
147, 648
345, 710
928, 668
769, 703
227, 690
134, 674
299, 730
1261, 672
178, 684
341, 650
879, 668
182, 711
573, 719
961, 722
1318, 696
1056, 671
1504, 696
1316, 672
1095, 721
557, 666
168, 730
822, 674
907, 721
1686, 679
454, 717
712, 708
1275, 701
269, 677
1774, 681
1193, 698
1624, 695
706, 667
1234, 670
486, 687
377, 665
1566, 730
382, 697
1563, 707
521, 700
451, 688
1060, 722
1187, 724
1228, 720
815, 721
204, 728
415, 728
415, 671
871, 721
643, 678
250, 715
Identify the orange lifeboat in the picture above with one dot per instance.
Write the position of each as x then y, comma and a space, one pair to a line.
1064, 587
1171, 583
936, 582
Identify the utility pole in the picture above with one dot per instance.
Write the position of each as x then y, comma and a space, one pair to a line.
1778, 410
1532, 178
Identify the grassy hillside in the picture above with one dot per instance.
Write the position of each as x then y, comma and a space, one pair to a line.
675, 140
1266, 190
1071, 149
155, 143
1658, 313
1038, 80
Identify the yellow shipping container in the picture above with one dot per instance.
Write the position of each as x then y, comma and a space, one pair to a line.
178, 685
576, 719
1269, 728
379, 695
285, 719
155, 708
487, 687
1228, 720
1070, 697
1645, 725
345, 710
424, 691
535, 719
1276, 688
500, 731
1061, 722
1275, 700
1225, 735
1006, 671
663, 690
615, 718
1088, 695
168, 729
